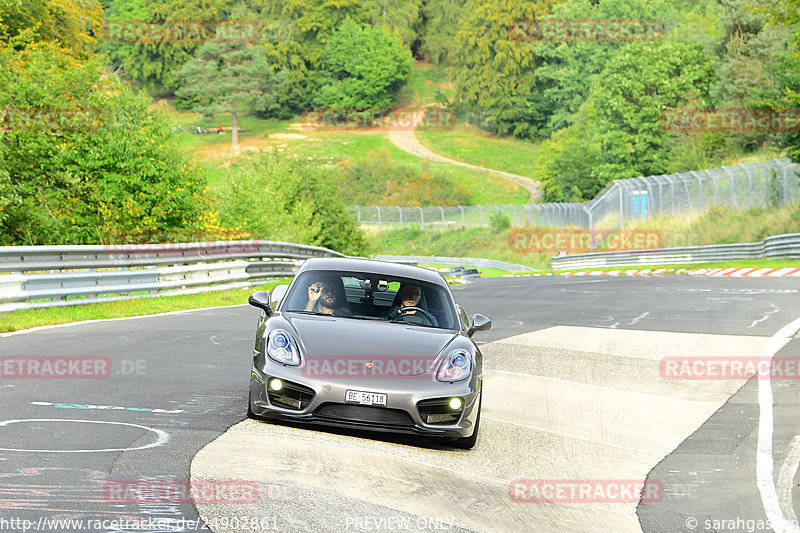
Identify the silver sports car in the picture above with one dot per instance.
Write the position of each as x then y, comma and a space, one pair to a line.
360, 343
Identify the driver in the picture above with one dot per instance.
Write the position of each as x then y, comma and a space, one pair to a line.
408, 296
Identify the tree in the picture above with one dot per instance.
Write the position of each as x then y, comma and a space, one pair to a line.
633, 92
495, 71
230, 78
363, 69
276, 198
153, 63
72, 25
439, 27
88, 161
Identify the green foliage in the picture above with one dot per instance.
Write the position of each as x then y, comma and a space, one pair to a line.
152, 65
88, 161
68, 24
363, 181
637, 87
363, 69
495, 74
499, 223
275, 198
229, 78
438, 35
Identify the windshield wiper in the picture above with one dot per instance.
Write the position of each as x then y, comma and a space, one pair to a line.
317, 313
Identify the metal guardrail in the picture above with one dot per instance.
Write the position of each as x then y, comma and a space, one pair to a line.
777, 247
455, 261
47, 276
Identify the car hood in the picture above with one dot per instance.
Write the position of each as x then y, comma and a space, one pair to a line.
329, 338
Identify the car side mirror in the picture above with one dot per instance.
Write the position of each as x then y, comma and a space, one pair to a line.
479, 323
260, 299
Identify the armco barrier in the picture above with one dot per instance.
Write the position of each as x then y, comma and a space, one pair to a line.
46, 276
455, 261
777, 247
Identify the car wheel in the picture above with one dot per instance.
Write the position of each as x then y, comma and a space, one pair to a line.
467, 443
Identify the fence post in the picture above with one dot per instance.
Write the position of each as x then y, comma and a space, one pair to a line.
766, 182
400, 209
733, 187
481, 210
527, 214
591, 229
714, 183
785, 182
749, 186
421, 219
463, 220
442, 210
380, 225
700, 180
621, 207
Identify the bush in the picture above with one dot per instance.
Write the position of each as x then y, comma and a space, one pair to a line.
274, 198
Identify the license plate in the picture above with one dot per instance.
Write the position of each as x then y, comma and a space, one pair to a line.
365, 398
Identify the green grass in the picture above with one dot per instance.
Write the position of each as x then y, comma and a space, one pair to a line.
29, 318
471, 145
423, 83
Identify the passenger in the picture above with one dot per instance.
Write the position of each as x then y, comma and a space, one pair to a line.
409, 295
326, 296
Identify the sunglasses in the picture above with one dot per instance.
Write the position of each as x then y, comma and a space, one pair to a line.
323, 289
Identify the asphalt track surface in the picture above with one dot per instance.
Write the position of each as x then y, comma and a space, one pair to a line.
572, 393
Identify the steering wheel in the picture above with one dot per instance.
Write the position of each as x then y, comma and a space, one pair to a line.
398, 313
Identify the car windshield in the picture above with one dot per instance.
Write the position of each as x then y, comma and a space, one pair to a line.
368, 296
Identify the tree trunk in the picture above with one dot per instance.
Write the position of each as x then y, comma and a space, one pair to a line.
235, 128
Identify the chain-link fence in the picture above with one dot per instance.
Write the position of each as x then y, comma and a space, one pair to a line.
771, 183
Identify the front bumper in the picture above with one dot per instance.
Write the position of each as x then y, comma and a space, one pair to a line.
323, 402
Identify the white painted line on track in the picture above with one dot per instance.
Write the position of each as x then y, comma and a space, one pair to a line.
69, 324
764, 459
163, 436
785, 477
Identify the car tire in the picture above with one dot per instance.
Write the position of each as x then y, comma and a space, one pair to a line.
467, 443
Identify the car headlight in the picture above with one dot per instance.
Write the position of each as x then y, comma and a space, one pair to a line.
282, 348
455, 367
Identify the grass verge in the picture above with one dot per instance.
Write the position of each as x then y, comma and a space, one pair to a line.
30, 318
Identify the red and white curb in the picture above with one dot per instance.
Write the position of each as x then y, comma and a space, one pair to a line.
713, 272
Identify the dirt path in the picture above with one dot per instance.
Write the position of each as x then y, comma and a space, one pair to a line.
407, 141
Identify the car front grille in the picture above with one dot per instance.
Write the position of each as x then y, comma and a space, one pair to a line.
364, 413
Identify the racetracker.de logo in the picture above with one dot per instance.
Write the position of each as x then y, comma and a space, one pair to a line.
365, 367
729, 368
398, 120
55, 367
179, 492
226, 248
731, 120
52, 119
548, 241
181, 31
585, 491
586, 30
